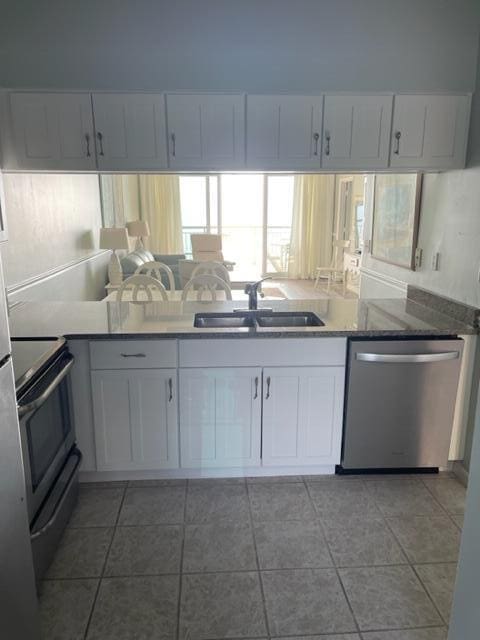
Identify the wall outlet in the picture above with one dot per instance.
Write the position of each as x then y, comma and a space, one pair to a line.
418, 257
436, 261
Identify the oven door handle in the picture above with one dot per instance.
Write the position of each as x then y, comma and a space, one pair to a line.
35, 404
52, 520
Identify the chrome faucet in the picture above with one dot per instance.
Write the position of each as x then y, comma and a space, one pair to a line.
251, 289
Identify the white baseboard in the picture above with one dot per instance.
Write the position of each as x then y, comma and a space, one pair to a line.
460, 472
243, 472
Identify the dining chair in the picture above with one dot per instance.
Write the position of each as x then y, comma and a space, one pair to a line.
154, 268
141, 282
211, 268
206, 282
332, 272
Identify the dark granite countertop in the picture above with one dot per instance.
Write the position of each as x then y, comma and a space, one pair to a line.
355, 318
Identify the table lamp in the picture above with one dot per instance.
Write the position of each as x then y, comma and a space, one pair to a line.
138, 229
114, 239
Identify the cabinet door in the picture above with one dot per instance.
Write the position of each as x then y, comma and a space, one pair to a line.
302, 415
130, 131
284, 132
53, 131
430, 131
206, 131
220, 417
135, 417
356, 132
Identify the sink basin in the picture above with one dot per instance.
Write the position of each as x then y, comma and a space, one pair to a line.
289, 319
223, 320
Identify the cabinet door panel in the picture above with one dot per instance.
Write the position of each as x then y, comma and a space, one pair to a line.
136, 424
320, 413
280, 415
282, 130
112, 395
133, 132
356, 131
220, 417
53, 131
154, 424
430, 131
206, 131
302, 417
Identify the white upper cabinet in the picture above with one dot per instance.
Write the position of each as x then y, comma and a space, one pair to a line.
284, 132
130, 131
52, 131
206, 131
430, 131
356, 131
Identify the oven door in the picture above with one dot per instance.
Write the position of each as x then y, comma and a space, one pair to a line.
47, 431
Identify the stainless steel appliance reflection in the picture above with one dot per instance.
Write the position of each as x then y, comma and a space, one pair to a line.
400, 403
51, 459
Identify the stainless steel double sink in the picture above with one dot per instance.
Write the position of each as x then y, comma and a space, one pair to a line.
257, 318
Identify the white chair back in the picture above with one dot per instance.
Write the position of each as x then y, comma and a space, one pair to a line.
139, 282
211, 269
208, 283
154, 269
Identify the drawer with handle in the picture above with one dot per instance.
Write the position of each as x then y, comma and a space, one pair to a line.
133, 354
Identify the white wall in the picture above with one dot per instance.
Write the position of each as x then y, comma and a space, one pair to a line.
449, 224
53, 226
465, 616
253, 45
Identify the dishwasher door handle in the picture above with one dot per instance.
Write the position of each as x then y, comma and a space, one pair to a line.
415, 358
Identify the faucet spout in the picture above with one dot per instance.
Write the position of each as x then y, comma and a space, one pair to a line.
251, 289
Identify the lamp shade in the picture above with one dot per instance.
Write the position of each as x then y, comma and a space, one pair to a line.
114, 238
138, 228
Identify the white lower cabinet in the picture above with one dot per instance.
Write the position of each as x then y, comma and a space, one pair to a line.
136, 419
302, 415
220, 417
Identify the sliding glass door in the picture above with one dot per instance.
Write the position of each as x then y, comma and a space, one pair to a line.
277, 226
253, 213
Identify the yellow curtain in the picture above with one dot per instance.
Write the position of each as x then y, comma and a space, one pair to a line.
312, 225
159, 198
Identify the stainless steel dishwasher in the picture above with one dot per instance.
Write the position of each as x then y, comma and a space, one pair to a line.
400, 403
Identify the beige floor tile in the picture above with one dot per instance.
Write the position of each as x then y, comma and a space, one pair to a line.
427, 539
388, 598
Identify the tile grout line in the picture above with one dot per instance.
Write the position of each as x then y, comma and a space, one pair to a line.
429, 596
100, 578
411, 565
342, 587
259, 572
182, 549
445, 510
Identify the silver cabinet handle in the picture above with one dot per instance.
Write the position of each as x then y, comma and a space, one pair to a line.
327, 146
133, 355
100, 139
316, 137
174, 139
170, 390
35, 404
268, 388
87, 139
256, 388
394, 358
398, 135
